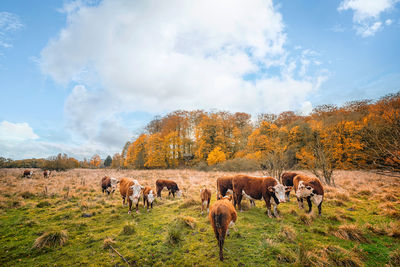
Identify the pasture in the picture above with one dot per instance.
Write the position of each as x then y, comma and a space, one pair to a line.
359, 226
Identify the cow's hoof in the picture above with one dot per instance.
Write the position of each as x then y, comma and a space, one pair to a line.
129, 212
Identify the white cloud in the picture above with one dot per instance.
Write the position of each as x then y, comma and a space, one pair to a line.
306, 108
367, 14
158, 56
388, 22
11, 132
9, 22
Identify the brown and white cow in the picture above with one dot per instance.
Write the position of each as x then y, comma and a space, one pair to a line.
287, 180
109, 184
46, 174
224, 186
222, 216
205, 195
257, 188
309, 188
130, 190
148, 197
171, 186
27, 173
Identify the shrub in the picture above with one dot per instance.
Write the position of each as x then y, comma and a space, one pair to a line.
51, 239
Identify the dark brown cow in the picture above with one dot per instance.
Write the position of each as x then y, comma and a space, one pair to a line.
205, 196
309, 188
170, 185
130, 190
224, 186
148, 197
27, 173
257, 188
109, 184
46, 174
222, 216
287, 180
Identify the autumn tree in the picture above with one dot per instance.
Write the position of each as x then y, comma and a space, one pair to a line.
216, 156
108, 161
95, 161
136, 153
117, 161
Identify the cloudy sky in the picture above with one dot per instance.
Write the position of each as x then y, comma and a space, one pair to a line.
83, 77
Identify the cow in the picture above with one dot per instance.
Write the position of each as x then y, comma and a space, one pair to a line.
205, 196
148, 197
109, 185
222, 215
27, 173
130, 190
46, 174
256, 188
224, 186
309, 188
287, 180
170, 185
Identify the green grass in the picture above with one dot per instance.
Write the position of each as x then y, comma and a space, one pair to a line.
145, 239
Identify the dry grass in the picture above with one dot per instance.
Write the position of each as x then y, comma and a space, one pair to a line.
395, 258
51, 239
351, 232
337, 256
287, 233
189, 221
307, 219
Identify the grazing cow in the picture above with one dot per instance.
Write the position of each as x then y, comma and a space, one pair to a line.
309, 188
256, 188
205, 196
224, 186
287, 180
109, 184
148, 197
130, 190
46, 174
27, 173
222, 216
170, 185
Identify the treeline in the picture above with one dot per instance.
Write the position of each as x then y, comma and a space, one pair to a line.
359, 134
61, 162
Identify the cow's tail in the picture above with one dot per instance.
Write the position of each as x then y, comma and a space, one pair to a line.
220, 227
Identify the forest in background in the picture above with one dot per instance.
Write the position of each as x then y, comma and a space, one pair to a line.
361, 134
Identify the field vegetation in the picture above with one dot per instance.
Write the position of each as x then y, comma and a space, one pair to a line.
66, 221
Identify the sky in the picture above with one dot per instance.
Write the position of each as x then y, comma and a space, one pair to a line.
83, 77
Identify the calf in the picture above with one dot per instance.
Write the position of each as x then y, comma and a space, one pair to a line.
109, 184
256, 188
224, 186
148, 197
287, 180
130, 190
309, 188
27, 173
205, 196
46, 174
170, 185
222, 216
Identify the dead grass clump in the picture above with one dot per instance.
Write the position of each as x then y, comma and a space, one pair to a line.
287, 233
342, 196
364, 193
293, 212
350, 232
306, 219
337, 202
391, 213
393, 229
304, 256
175, 234
187, 220
389, 197
84, 205
27, 195
375, 229
386, 205
245, 205
128, 229
189, 202
108, 242
51, 239
394, 258
337, 256
43, 204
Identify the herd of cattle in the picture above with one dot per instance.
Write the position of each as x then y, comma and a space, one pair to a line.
222, 213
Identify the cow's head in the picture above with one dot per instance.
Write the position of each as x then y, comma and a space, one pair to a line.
114, 183
179, 193
303, 190
150, 196
228, 197
136, 189
279, 190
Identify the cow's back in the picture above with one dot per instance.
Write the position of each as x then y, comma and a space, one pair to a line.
287, 178
124, 185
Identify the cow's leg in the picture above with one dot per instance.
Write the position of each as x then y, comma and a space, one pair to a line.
252, 203
159, 192
300, 202
151, 205
130, 205
144, 203
275, 207
208, 205
137, 206
288, 196
309, 204
319, 208
123, 201
239, 201
268, 204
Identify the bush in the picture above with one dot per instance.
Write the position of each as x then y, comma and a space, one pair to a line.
51, 239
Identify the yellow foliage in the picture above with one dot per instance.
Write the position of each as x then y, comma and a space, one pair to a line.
216, 156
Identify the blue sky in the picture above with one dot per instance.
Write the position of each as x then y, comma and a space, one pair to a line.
83, 77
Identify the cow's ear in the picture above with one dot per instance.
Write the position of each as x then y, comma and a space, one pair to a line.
270, 189
308, 187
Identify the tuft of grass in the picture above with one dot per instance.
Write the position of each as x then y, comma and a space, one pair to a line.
174, 234
287, 233
51, 239
337, 202
43, 204
187, 220
364, 193
306, 219
393, 229
27, 195
108, 242
390, 197
337, 256
128, 229
189, 202
394, 258
351, 232
304, 256
342, 196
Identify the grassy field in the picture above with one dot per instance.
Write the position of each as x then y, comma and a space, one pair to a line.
359, 226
